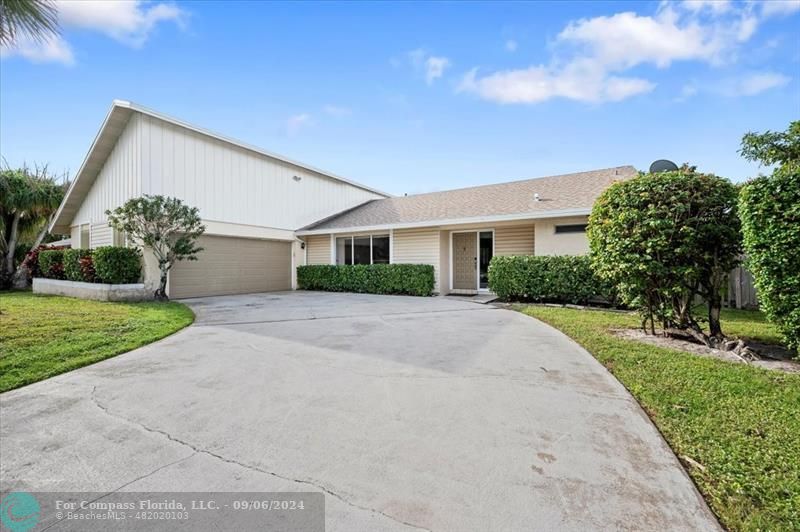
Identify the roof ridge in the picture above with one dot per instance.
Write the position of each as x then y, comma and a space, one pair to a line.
516, 181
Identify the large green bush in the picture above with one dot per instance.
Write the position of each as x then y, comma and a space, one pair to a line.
770, 212
558, 279
410, 279
73, 269
663, 239
117, 265
51, 263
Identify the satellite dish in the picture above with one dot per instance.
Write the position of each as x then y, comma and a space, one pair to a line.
662, 165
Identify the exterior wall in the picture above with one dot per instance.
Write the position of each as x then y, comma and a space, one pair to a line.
550, 243
516, 240
101, 235
418, 246
118, 181
231, 184
444, 262
318, 249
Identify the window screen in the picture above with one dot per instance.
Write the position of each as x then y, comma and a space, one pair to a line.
573, 228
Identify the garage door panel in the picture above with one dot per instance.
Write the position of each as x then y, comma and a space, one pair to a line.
230, 265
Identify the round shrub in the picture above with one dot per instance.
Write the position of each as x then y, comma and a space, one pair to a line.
72, 264
664, 239
51, 263
117, 265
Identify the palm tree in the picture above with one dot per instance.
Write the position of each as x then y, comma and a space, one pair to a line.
36, 19
28, 201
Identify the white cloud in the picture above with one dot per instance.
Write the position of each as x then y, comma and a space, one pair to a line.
753, 84
713, 6
336, 110
52, 50
779, 7
434, 68
128, 21
511, 45
537, 84
591, 55
297, 122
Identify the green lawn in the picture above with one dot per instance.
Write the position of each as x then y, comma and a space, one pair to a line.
42, 336
740, 423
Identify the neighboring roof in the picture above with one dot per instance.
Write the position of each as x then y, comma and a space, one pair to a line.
113, 126
561, 195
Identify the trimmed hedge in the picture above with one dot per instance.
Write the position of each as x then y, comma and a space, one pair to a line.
109, 264
51, 263
409, 279
74, 270
554, 279
770, 212
117, 265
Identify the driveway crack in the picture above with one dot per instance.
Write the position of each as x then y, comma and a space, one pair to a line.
198, 450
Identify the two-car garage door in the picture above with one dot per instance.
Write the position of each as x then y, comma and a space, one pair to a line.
229, 265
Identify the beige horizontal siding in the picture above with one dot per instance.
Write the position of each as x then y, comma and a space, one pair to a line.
101, 235
318, 249
517, 240
417, 246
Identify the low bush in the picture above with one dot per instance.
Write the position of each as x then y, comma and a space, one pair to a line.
73, 268
117, 265
31, 261
409, 279
556, 279
51, 263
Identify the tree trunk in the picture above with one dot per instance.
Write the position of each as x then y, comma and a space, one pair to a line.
714, 309
43, 232
12, 246
161, 293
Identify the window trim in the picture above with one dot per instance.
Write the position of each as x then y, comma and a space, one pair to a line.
335, 246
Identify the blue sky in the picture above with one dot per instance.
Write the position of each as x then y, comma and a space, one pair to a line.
414, 97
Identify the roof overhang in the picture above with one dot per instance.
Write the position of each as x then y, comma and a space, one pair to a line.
539, 215
115, 122
113, 125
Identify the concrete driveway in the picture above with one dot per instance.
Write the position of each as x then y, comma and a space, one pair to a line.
408, 413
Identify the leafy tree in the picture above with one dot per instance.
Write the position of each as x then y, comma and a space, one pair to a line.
165, 225
770, 212
773, 147
28, 200
664, 239
37, 19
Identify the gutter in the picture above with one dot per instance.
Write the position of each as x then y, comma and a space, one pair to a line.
449, 221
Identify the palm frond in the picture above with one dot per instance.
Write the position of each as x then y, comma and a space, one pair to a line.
36, 19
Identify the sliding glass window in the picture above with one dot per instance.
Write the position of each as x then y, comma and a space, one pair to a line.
366, 249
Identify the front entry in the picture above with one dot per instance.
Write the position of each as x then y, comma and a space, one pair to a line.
472, 252
465, 261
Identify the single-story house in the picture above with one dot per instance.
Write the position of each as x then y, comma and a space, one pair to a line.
266, 214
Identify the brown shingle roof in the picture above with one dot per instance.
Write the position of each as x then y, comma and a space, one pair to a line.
556, 193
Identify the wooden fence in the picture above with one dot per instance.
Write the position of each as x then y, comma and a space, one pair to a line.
741, 290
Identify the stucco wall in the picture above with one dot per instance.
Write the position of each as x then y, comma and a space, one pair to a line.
550, 243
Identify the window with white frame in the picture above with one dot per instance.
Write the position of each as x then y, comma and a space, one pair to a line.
362, 249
